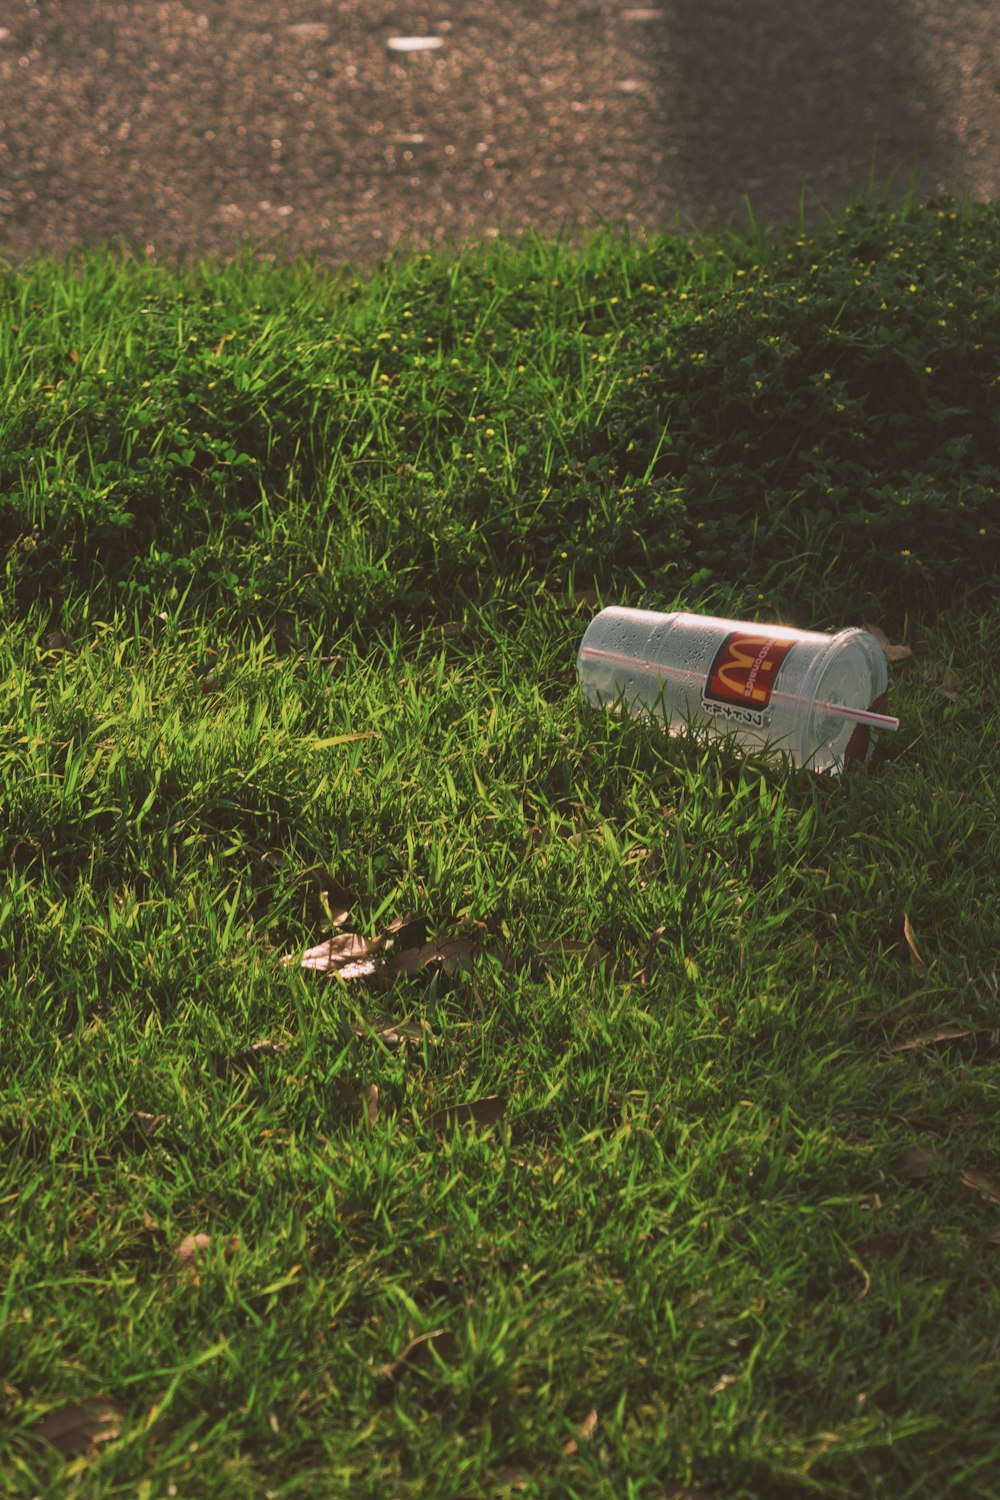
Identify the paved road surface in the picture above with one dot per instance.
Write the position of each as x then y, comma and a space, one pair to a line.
184, 125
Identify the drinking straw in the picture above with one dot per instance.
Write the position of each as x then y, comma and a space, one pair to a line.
859, 715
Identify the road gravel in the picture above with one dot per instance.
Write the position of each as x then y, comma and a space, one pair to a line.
184, 128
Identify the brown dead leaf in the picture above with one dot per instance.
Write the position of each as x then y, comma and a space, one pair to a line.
654, 939
371, 1103
73, 357
420, 1353
591, 954
79, 1426
584, 1432
945, 683
337, 894
406, 932
480, 1112
349, 1099
929, 1038
248, 1059
911, 945
346, 953
394, 1033
451, 954
917, 1162
892, 653
981, 1182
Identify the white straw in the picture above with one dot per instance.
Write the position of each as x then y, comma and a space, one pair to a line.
859, 715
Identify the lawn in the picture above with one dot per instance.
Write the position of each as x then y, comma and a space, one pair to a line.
630, 1129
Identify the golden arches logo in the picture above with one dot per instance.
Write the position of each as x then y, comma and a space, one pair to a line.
745, 668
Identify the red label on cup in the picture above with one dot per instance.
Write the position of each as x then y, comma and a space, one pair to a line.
745, 668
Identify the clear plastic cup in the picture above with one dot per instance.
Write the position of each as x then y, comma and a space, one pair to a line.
815, 697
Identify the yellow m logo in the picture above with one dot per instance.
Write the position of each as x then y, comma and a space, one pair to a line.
743, 658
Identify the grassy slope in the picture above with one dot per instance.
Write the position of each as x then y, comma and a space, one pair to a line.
718, 1208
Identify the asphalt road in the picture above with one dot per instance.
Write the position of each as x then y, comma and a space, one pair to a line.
184, 127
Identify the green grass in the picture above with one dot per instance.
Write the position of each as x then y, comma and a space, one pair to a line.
296, 567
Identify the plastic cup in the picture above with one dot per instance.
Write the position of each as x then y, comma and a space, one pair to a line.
813, 696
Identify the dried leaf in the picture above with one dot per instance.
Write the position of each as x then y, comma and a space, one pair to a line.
335, 891
421, 1351
917, 1162
928, 1038
583, 1433
371, 1103
249, 1058
79, 1426
592, 954
945, 683
981, 1182
73, 357
394, 1033
345, 950
892, 653
451, 954
644, 972
911, 945
480, 1112
405, 932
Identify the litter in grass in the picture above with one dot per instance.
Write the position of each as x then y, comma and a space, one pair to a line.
813, 696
